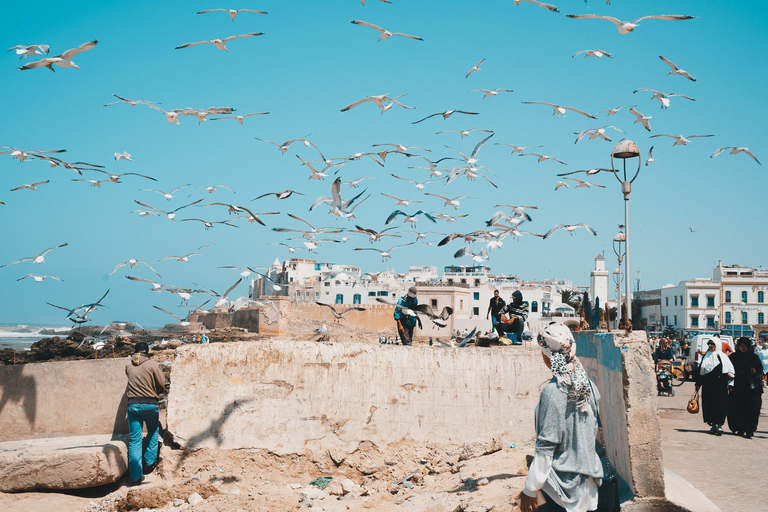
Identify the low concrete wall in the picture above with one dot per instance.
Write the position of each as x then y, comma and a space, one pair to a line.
621, 367
290, 396
71, 398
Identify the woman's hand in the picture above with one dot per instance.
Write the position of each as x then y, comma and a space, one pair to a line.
527, 504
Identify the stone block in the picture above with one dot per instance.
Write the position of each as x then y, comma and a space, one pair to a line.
62, 463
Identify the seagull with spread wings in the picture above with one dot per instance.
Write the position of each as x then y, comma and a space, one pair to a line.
132, 103
449, 201
401, 202
593, 53
571, 228
491, 92
31, 186
676, 70
542, 158
419, 184
595, 133
383, 101
170, 214
408, 218
39, 259
285, 194
663, 97
625, 27
650, 157
28, 51
582, 183
132, 263
612, 111
167, 195
559, 110
446, 115
476, 67
184, 258
220, 43
643, 119
339, 315
385, 255
64, 60
548, 7
679, 139
465, 133
38, 278
233, 12
384, 34
240, 118
735, 151
515, 149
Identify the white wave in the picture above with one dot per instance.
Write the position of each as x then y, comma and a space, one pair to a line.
31, 331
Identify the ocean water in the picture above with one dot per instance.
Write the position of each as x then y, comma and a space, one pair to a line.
22, 336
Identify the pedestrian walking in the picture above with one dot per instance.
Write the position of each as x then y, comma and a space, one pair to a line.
715, 371
745, 399
146, 383
494, 309
405, 321
566, 467
763, 355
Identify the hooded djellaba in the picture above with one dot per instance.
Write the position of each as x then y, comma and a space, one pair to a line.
745, 399
566, 466
715, 373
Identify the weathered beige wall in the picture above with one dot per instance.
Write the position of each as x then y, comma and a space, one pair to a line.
622, 368
290, 396
375, 316
70, 398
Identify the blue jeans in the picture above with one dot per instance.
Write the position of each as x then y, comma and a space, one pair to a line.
138, 450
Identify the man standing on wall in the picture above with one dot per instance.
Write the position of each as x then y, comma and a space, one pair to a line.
407, 319
146, 383
513, 318
494, 308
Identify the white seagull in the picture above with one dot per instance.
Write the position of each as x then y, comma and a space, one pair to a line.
220, 43
595, 133
240, 118
663, 97
34, 49
492, 92
676, 70
132, 263
39, 259
339, 315
464, 133
448, 201
586, 184
123, 156
384, 34
167, 195
385, 255
232, 12
734, 151
571, 228
612, 111
383, 101
593, 53
515, 149
679, 139
542, 158
184, 258
549, 7
419, 184
559, 110
31, 186
625, 27
401, 202
64, 60
650, 157
132, 103
170, 214
446, 115
476, 67
644, 120
38, 278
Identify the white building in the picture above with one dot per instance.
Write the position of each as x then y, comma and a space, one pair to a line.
692, 306
599, 285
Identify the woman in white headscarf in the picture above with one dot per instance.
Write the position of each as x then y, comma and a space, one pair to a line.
715, 372
566, 466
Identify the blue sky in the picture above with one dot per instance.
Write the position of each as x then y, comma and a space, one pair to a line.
309, 64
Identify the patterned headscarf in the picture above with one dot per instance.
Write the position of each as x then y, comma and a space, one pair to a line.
557, 342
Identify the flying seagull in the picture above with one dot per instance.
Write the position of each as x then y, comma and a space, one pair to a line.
676, 70
734, 151
515, 149
593, 53
380, 101
446, 115
650, 157
586, 184
167, 195
663, 97
571, 228
385, 255
337, 314
612, 111
233, 12
476, 67
64, 60
132, 263
644, 120
384, 34
549, 7
39, 259
408, 218
493, 92
625, 27
123, 156
240, 118
559, 110
679, 139
34, 49
220, 43
595, 133
31, 186
38, 278
285, 194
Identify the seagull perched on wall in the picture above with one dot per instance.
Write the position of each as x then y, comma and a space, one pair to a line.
735, 151
339, 315
384, 34
39, 259
625, 27
220, 43
64, 60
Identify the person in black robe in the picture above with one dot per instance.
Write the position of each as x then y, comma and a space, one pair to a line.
745, 399
715, 371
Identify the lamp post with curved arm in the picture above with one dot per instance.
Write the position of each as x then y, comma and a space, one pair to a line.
624, 150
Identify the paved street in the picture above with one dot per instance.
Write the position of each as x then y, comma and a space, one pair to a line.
729, 470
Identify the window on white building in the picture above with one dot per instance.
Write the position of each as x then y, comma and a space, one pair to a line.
339, 298
694, 321
744, 318
476, 295
761, 318
743, 296
433, 303
477, 282
727, 317
675, 322
710, 322
476, 311
694, 301
666, 300
727, 296
675, 300
371, 294
761, 297
461, 304
356, 299
710, 301
382, 293
534, 307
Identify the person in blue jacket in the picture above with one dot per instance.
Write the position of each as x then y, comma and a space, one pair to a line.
407, 320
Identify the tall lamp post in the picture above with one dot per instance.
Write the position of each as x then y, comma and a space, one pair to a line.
618, 240
624, 150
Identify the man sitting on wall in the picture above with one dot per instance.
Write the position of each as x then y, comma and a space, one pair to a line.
513, 318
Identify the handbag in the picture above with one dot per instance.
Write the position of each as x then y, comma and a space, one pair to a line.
693, 403
608, 492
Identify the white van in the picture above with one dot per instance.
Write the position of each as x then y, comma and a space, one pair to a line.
699, 343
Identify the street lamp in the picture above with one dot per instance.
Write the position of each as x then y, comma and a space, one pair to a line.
617, 277
625, 149
618, 240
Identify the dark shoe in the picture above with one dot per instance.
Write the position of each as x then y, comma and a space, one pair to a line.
137, 482
739, 433
713, 430
748, 435
148, 469
719, 431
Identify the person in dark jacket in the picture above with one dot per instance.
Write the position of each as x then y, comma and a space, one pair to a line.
406, 319
494, 308
745, 399
513, 317
146, 383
